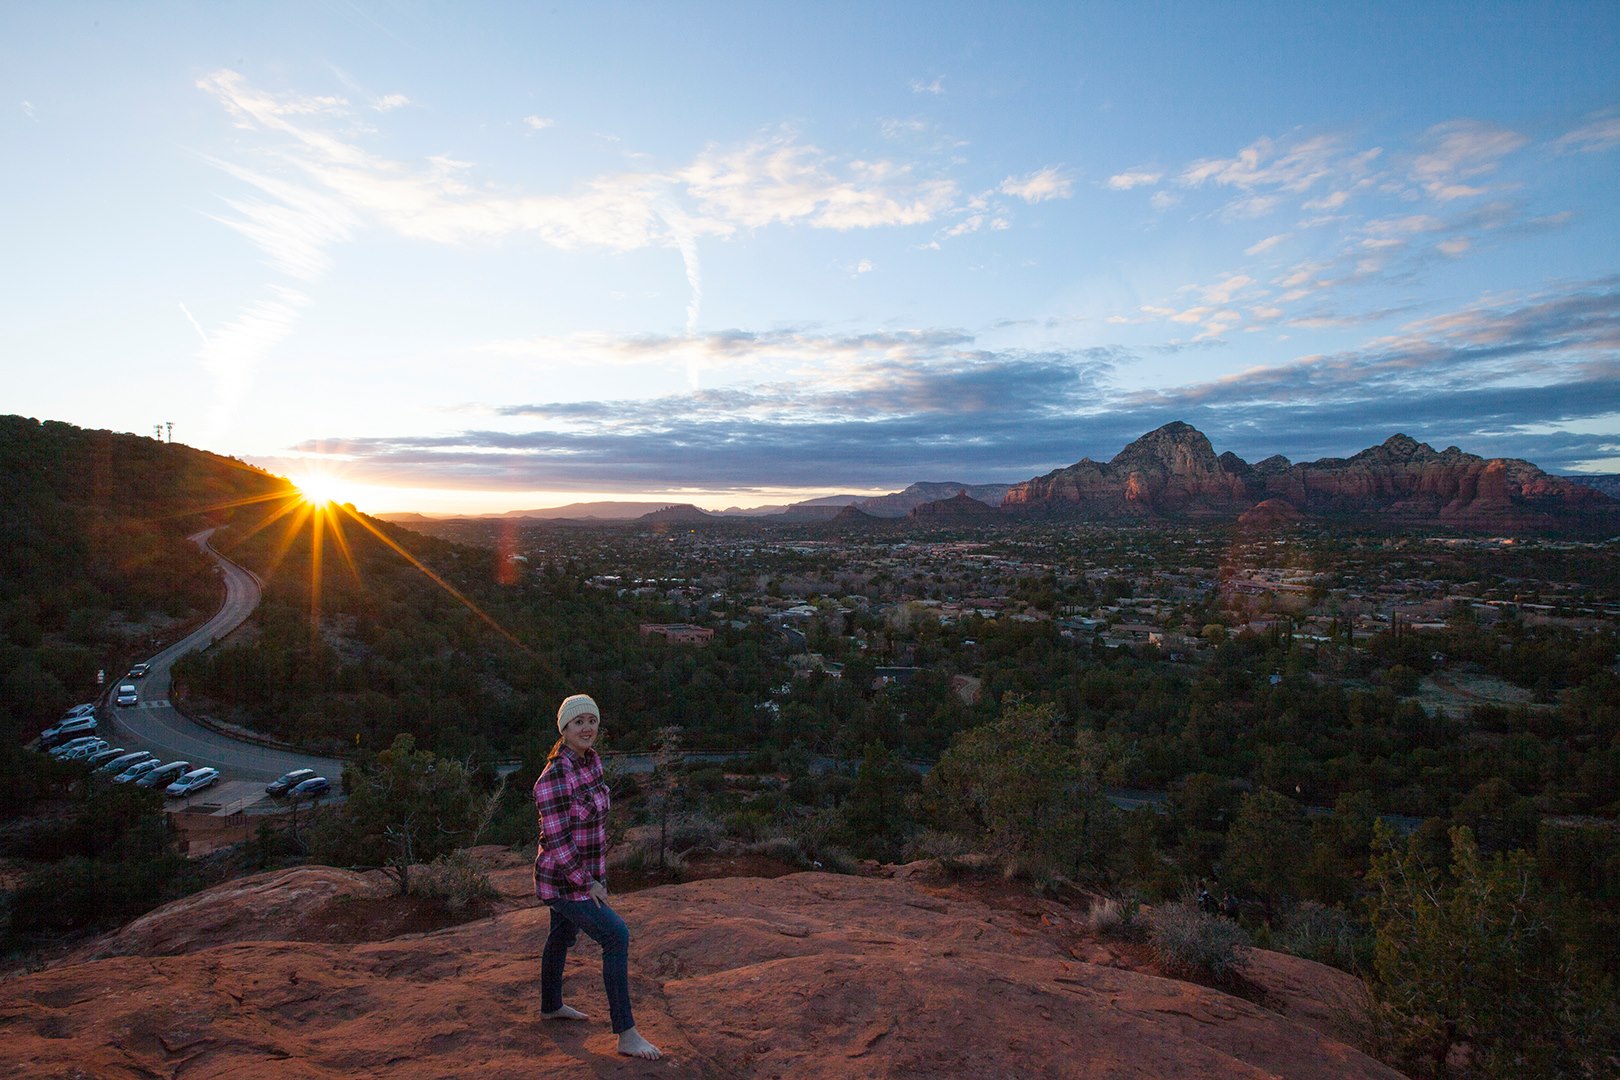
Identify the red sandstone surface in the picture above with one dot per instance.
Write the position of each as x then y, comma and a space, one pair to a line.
807, 975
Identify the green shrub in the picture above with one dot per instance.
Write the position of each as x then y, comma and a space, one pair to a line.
748, 825
1189, 942
1323, 934
1113, 918
694, 830
780, 847
935, 844
641, 857
457, 880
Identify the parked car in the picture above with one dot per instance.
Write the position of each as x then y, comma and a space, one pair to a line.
138, 671
137, 770
87, 709
62, 750
79, 753
101, 757
163, 775
127, 694
119, 764
63, 730
193, 782
284, 783
312, 788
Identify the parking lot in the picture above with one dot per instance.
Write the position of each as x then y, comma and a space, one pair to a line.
225, 797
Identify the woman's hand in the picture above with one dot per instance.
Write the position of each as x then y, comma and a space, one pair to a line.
599, 893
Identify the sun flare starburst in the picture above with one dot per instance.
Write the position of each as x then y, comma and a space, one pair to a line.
321, 489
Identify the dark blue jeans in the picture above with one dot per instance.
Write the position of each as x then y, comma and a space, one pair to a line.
602, 923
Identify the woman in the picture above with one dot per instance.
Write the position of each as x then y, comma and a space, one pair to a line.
570, 872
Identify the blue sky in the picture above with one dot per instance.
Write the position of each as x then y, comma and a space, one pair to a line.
479, 256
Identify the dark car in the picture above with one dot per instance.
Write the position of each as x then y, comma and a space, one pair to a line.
133, 773
138, 671
123, 761
163, 775
101, 757
313, 788
287, 781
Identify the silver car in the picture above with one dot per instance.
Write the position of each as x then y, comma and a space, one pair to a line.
193, 782
137, 770
79, 753
62, 750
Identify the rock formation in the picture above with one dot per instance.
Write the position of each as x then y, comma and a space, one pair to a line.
808, 975
902, 503
1269, 515
1174, 473
960, 505
679, 514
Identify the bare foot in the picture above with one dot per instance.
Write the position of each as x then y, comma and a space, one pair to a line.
567, 1012
632, 1044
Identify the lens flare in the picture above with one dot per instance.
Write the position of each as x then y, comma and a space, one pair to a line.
321, 489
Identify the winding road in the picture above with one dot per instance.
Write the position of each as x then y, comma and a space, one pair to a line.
155, 725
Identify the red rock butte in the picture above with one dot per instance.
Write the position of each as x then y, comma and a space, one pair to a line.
807, 975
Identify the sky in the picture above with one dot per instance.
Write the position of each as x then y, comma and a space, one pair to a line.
476, 257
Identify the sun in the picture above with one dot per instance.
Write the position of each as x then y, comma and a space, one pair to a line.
320, 489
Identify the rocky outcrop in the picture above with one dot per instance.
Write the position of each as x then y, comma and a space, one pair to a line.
808, 975
679, 514
1269, 515
902, 503
961, 505
1174, 473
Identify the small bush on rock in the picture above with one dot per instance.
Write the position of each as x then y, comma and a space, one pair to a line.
457, 880
1189, 942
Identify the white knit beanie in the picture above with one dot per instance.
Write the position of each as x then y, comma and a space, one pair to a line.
573, 705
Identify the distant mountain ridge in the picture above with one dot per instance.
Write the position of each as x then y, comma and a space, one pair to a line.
1607, 483
1174, 472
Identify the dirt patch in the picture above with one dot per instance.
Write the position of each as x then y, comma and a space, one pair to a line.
1455, 691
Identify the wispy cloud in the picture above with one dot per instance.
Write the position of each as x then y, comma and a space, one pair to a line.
390, 102
779, 180
28, 111
292, 223
934, 86
538, 123
1260, 247
325, 186
1284, 165
1134, 178
1462, 150
1540, 340
233, 354
1600, 132
195, 325
1038, 186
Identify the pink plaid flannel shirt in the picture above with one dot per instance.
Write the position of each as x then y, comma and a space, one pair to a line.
572, 799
